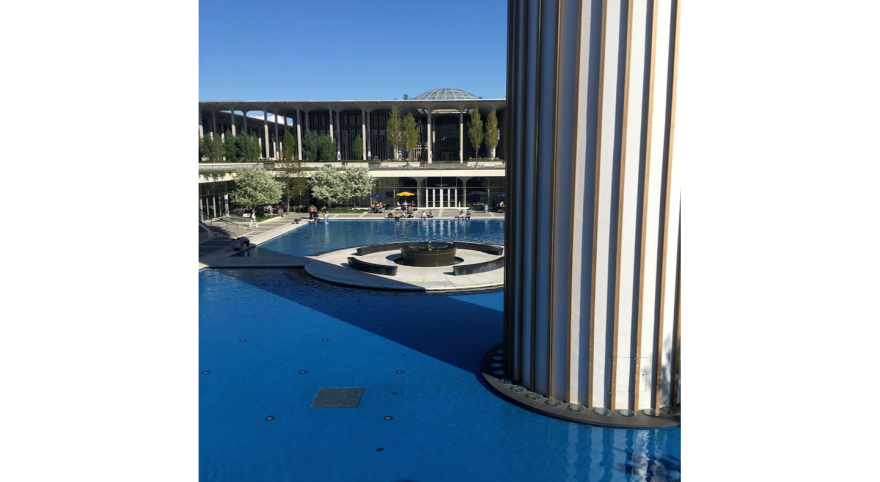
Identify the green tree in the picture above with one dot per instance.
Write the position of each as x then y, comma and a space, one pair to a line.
290, 171
405, 97
229, 147
244, 148
211, 149
475, 131
256, 151
357, 183
327, 184
392, 131
326, 148
492, 135
318, 148
310, 146
358, 147
255, 187
410, 133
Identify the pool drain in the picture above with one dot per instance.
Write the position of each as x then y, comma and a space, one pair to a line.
389, 417
242, 339
270, 418
399, 372
205, 373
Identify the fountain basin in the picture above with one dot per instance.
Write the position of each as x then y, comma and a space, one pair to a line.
428, 254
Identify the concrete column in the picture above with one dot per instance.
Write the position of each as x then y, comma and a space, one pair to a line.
461, 136
232, 116
492, 154
369, 135
306, 116
299, 140
244, 123
464, 181
213, 124
277, 143
592, 292
201, 131
330, 113
430, 136
364, 133
266, 133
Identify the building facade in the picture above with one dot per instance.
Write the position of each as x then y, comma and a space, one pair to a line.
446, 172
441, 116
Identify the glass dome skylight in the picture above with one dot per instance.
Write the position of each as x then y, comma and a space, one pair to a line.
445, 94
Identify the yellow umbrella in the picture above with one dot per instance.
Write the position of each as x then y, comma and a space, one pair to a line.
405, 193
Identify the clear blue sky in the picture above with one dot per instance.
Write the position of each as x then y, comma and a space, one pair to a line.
342, 50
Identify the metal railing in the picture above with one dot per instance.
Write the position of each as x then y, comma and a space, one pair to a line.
372, 165
225, 223
227, 166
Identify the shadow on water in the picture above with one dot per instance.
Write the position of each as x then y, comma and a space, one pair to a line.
408, 318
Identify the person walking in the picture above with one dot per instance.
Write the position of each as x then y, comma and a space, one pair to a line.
253, 219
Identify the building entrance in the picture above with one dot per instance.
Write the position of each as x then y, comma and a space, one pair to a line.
441, 197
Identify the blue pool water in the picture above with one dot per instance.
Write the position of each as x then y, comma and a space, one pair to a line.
446, 424
338, 234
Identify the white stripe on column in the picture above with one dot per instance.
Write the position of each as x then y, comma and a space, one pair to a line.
601, 396
653, 195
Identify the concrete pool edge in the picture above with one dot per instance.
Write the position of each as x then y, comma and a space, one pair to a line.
502, 387
333, 267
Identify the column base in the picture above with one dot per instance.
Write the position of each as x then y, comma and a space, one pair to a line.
493, 372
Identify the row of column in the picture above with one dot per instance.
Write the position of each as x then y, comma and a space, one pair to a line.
592, 290
365, 130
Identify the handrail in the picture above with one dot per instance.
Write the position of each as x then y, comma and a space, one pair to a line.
374, 165
230, 227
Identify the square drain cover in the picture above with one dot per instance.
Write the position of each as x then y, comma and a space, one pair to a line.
338, 398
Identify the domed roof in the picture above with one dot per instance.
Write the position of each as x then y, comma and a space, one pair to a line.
445, 94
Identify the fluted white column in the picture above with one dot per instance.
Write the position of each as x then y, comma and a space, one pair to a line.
266, 133
277, 144
232, 117
201, 129
429, 136
330, 114
364, 133
299, 141
592, 278
461, 136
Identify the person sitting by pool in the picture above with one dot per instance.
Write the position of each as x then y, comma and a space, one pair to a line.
234, 246
396, 215
424, 216
431, 214
461, 215
468, 215
245, 243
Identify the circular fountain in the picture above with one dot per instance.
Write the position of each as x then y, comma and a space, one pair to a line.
428, 254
